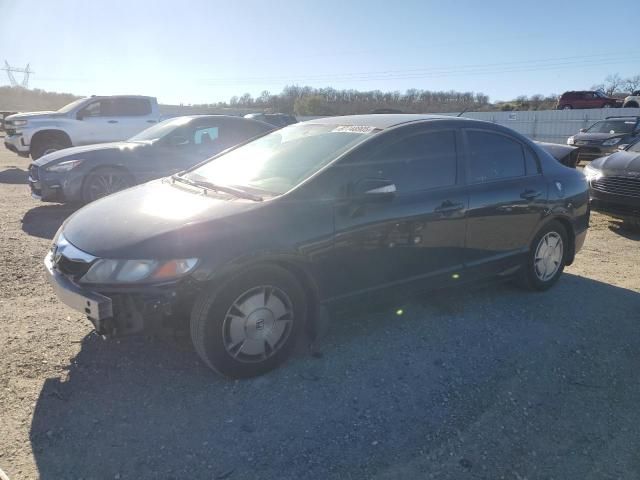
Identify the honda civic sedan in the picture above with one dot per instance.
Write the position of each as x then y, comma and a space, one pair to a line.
250, 249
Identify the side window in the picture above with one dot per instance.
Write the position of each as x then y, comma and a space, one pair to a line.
205, 135
493, 156
418, 162
531, 162
131, 107
99, 108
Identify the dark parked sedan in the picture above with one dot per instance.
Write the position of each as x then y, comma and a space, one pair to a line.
614, 183
604, 137
248, 250
83, 174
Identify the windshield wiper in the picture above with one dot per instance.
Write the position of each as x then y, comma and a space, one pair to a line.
219, 188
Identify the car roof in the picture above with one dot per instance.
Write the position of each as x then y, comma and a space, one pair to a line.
381, 121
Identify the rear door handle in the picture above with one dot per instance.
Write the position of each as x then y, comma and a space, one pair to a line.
112, 121
530, 194
449, 207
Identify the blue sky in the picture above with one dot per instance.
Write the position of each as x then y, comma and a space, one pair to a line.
208, 50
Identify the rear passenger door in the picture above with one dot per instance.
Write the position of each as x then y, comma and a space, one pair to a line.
415, 236
507, 200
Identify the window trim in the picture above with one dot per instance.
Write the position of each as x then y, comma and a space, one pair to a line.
467, 156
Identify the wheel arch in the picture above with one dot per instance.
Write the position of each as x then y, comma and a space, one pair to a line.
97, 168
566, 222
50, 132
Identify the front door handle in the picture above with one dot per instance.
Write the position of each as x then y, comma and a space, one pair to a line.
530, 194
112, 121
448, 207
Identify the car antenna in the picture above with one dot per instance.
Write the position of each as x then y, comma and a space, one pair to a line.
463, 112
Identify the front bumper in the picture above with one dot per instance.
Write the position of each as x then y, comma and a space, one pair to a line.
614, 204
16, 144
116, 312
587, 153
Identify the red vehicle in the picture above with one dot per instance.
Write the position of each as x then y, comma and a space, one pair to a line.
586, 99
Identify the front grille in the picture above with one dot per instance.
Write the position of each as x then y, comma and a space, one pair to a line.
33, 171
10, 131
73, 268
626, 186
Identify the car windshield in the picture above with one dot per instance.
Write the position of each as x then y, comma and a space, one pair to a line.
160, 130
612, 126
282, 159
70, 106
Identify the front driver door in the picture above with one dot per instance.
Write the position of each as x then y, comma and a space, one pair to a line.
415, 235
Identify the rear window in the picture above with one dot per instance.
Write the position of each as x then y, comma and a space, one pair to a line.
130, 107
494, 156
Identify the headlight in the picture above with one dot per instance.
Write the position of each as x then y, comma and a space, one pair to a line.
611, 141
64, 166
131, 271
19, 123
571, 141
591, 174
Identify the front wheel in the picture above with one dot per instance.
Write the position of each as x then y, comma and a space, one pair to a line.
105, 181
248, 326
546, 258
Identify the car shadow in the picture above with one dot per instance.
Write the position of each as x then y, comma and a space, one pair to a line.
618, 227
14, 175
391, 383
44, 221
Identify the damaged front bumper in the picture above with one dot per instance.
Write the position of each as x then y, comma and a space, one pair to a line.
116, 312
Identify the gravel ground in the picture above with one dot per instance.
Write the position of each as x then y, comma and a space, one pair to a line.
486, 383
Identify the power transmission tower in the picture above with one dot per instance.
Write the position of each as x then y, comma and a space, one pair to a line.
25, 74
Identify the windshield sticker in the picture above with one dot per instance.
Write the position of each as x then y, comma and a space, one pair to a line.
353, 129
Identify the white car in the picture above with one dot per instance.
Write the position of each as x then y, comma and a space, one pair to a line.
83, 122
633, 100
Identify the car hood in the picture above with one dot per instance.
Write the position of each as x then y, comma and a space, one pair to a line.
77, 152
597, 136
619, 162
157, 220
33, 115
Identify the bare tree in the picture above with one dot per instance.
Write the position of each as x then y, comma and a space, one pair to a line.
632, 84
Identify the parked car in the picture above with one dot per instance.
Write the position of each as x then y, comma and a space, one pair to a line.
84, 174
82, 122
604, 137
275, 119
633, 100
257, 242
614, 184
586, 99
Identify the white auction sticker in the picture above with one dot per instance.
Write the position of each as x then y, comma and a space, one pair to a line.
354, 129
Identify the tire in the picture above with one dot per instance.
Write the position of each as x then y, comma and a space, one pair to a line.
566, 107
537, 274
607, 105
631, 105
249, 325
105, 181
632, 224
47, 144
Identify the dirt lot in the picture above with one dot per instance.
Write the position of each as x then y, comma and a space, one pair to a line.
487, 383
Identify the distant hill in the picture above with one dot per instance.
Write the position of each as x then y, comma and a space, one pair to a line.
21, 99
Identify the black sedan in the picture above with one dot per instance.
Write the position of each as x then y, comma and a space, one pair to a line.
604, 137
84, 174
248, 250
614, 184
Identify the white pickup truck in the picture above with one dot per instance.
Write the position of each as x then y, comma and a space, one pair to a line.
82, 122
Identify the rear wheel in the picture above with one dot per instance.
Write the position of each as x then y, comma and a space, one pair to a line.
248, 326
105, 181
546, 258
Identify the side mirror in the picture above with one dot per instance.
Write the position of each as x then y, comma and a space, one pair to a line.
582, 130
374, 189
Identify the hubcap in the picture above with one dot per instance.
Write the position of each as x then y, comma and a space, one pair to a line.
103, 185
50, 150
258, 324
548, 256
